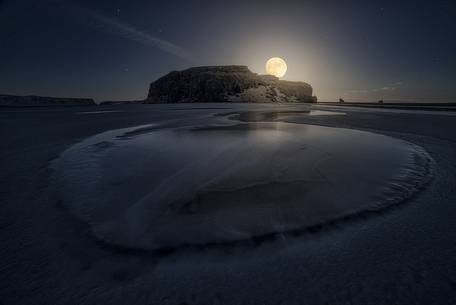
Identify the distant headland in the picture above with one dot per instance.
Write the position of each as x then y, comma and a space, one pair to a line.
35, 101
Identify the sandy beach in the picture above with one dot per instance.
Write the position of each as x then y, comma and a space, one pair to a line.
400, 254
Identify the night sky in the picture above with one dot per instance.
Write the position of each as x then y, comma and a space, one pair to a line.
112, 50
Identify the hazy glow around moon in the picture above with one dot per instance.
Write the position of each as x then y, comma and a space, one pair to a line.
276, 66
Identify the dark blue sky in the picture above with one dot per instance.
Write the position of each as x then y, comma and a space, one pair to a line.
359, 50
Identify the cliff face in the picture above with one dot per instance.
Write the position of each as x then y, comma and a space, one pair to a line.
24, 101
226, 84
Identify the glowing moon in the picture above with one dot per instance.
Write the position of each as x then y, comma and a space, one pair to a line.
276, 66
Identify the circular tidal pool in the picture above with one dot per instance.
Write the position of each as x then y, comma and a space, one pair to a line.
153, 187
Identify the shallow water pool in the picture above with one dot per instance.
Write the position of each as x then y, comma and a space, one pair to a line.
158, 186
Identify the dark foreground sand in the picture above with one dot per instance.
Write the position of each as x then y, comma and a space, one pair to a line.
401, 255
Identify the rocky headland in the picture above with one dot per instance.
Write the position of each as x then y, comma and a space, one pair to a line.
226, 84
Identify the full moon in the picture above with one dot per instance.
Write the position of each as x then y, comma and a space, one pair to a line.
276, 66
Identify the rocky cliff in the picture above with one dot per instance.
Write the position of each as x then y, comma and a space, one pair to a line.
24, 101
226, 84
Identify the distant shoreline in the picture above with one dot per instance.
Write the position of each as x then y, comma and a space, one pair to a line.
385, 105
402, 106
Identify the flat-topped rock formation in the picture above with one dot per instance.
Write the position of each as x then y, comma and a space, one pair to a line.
226, 84
32, 100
